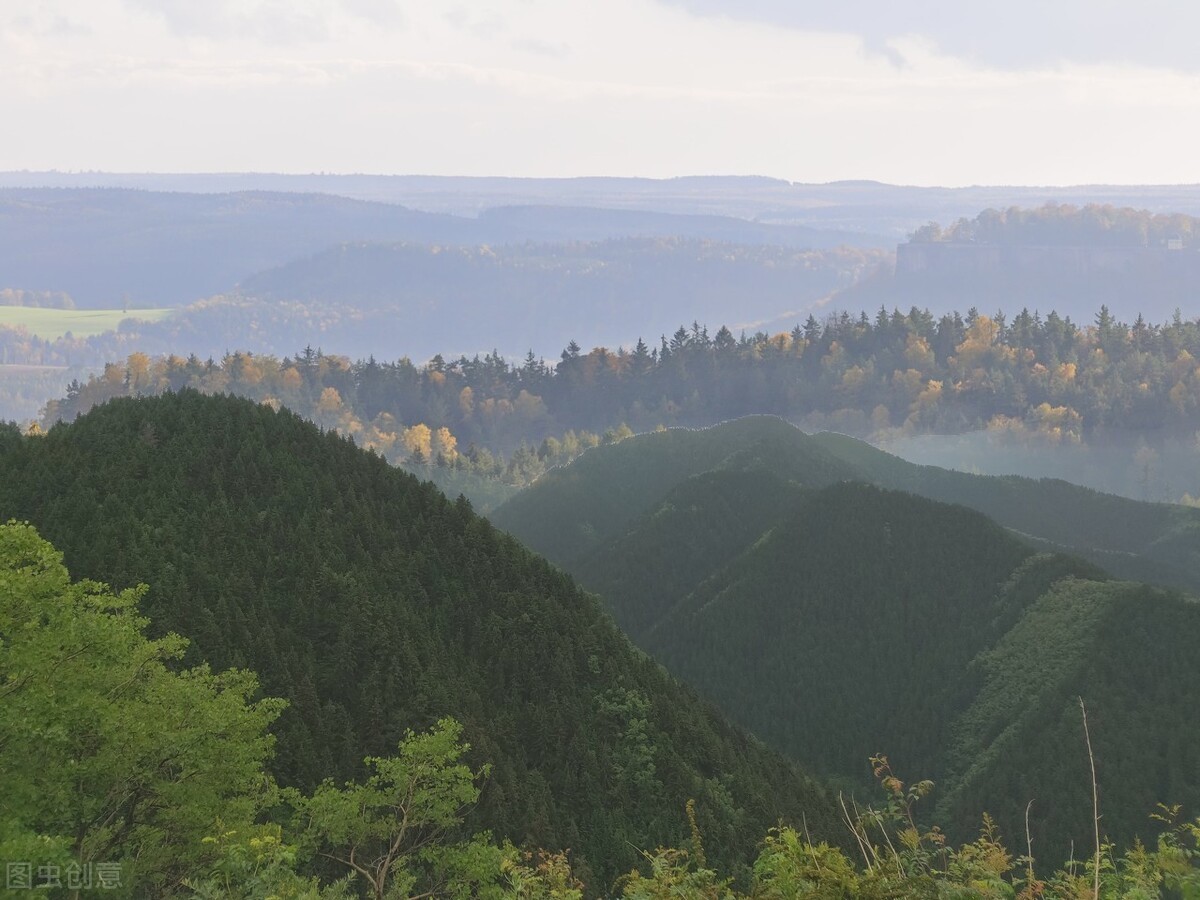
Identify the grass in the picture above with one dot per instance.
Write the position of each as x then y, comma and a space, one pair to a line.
17, 369
50, 324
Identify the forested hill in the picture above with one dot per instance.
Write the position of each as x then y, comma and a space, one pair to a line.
170, 247
456, 300
1068, 225
574, 509
1154, 542
374, 604
837, 620
1067, 257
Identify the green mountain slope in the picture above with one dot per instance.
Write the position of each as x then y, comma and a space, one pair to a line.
857, 604
573, 510
845, 620
374, 604
721, 513
1157, 542
1130, 651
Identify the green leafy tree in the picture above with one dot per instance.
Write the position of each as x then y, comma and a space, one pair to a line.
252, 863
393, 829
545, 876
679, 873
108, 754
791, 866
674, 873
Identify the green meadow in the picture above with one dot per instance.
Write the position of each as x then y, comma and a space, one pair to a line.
54, 323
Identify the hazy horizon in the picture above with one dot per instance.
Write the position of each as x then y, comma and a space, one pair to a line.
585, 176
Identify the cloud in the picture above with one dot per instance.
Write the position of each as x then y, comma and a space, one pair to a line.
387, 13
481, 24
568, 87
551, 49
43, 24
268, 21
1016, 34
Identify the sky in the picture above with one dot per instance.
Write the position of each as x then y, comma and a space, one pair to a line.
920, 92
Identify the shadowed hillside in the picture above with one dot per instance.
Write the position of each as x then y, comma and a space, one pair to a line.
836, 619
374, 604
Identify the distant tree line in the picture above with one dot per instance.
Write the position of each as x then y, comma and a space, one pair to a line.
1093, 225
1035, 379
39, 299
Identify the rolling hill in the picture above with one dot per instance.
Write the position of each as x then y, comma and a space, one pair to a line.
273, 272
574, 509
171, 247
454, 300
1154, 542
860, 206
374, 604
837, 618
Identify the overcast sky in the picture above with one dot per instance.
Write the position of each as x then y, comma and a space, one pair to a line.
919, 92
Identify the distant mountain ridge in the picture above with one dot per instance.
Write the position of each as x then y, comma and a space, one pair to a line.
1065, 257
861, 206
465, 300
1150, 281
104, 246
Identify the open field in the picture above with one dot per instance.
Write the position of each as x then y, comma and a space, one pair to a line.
6, 370
54, 323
